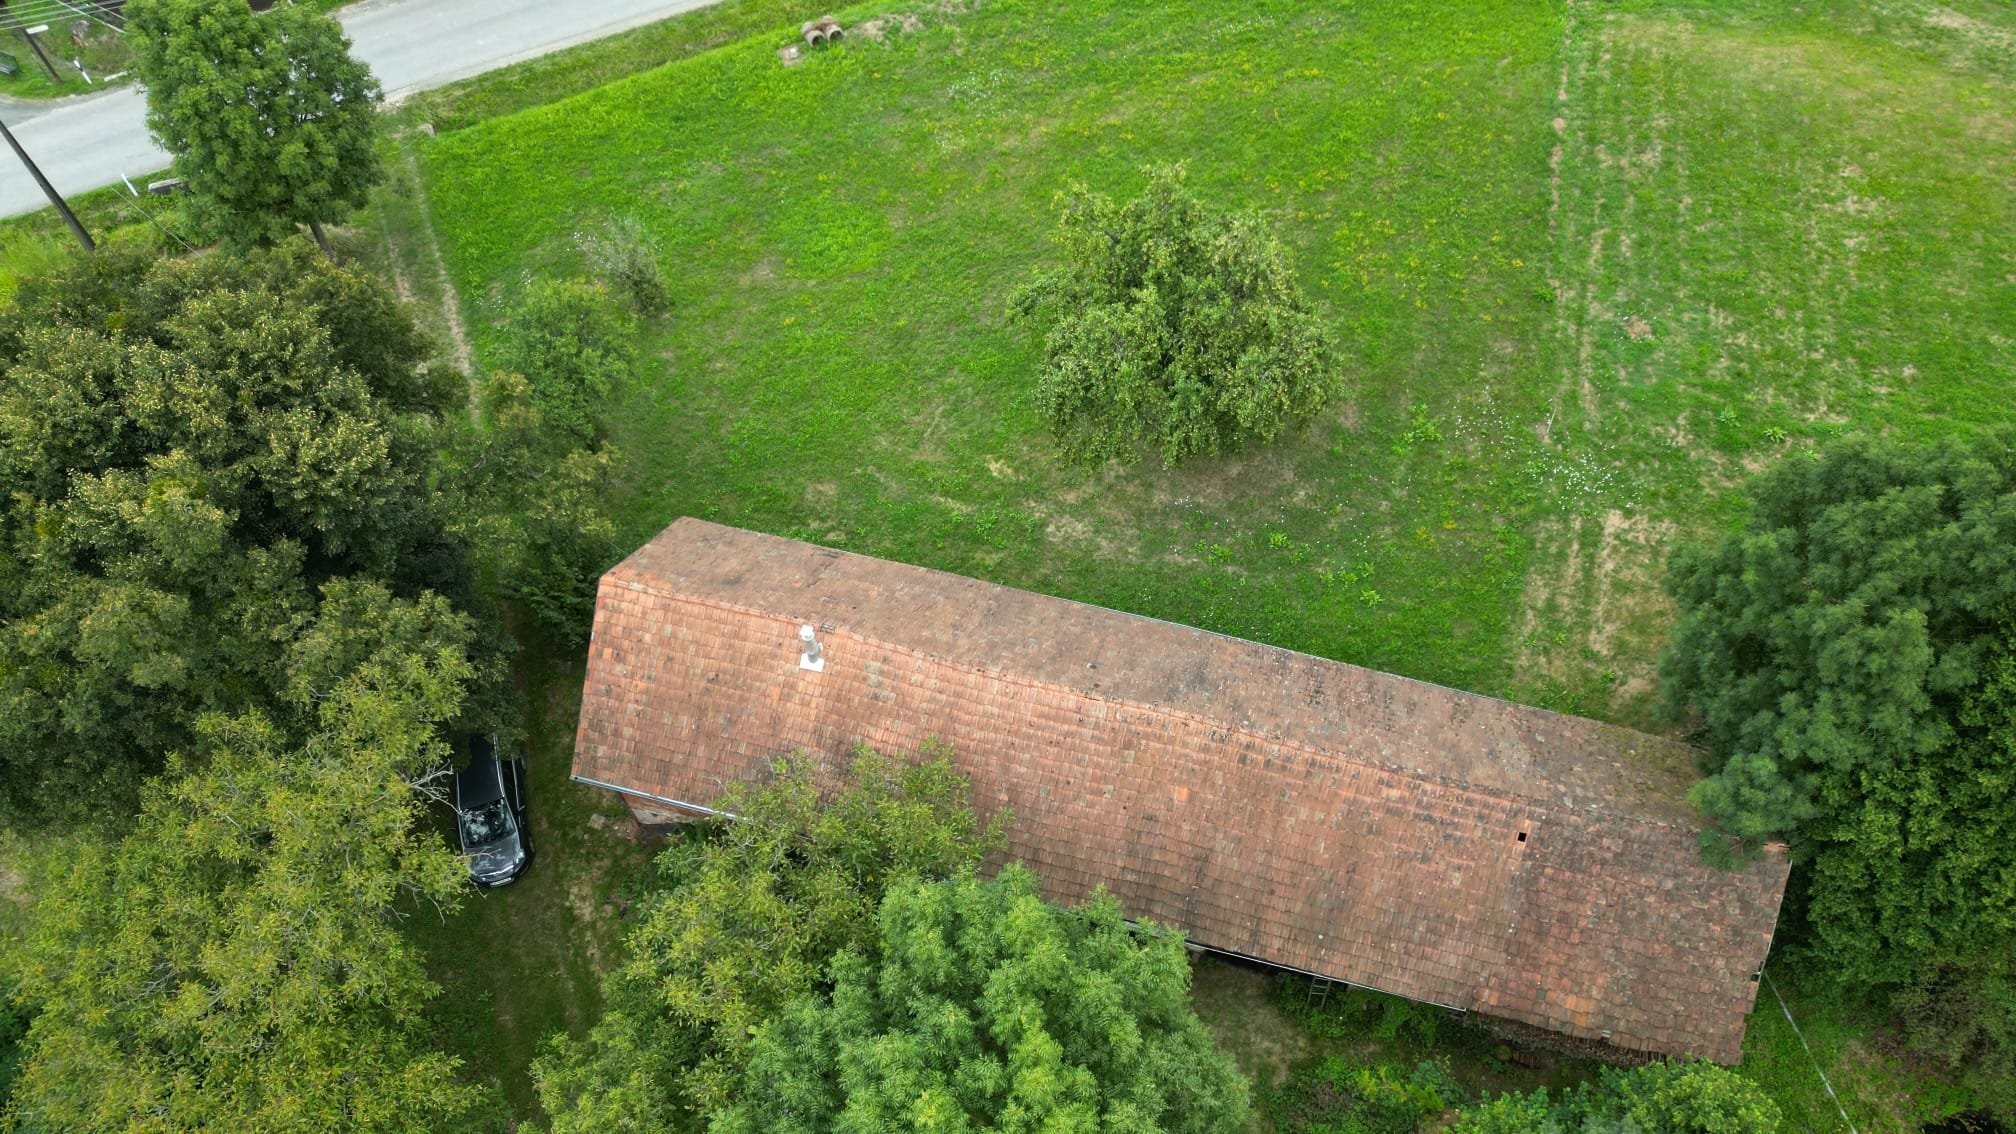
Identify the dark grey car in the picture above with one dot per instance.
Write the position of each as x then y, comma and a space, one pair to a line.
490, 814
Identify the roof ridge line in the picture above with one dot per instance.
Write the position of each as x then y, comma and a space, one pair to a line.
1208, 723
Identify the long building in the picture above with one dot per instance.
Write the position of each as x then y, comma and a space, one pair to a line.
1396, 835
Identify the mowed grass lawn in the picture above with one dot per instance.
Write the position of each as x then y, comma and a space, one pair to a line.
840, 237
1590, 266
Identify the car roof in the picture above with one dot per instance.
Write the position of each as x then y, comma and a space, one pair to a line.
480, 781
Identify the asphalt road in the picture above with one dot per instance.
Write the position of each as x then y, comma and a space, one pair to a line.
85, 142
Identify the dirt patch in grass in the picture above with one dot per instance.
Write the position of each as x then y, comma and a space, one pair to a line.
1232, 1001
1594, 613
1630, 561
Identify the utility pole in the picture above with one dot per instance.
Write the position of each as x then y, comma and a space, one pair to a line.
49, 191
29, 35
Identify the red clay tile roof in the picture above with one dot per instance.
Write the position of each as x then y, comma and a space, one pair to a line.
1436, 844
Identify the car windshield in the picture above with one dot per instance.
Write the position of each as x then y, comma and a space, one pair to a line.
485, 824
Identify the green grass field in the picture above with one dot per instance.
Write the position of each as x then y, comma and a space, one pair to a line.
841, 236
1590, 265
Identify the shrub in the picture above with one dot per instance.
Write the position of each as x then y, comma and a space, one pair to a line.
621, 255
13, 1026
1510, 1113
1360, 1013
1682, 1097
1171, 327
575, 344
1964, 1014
1692, 1097
1338, 1097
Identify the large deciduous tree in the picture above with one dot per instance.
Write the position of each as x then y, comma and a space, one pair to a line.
749, 917
1172, 327
234, 962
1851, 656
188, 450
984, 1008
272, 122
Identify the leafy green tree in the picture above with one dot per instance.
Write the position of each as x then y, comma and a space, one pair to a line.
272, 122
575, 343
1691, 1097
531, 501
234, 961
1913, 891
750, 915
984, 1008
1851, 656
1843, 629
188, 450
530, 485
1172, 327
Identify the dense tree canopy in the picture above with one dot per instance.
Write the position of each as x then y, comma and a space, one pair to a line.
188, 450
271, 121
1172, 327
748, 920
984, 1008
1851, 655
231, 962
1842, 631
243, 529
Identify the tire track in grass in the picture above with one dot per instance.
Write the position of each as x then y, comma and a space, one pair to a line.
451, 300
1558, 568
1591, 603
1566, 226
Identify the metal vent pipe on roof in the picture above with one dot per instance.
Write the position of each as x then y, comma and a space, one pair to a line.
811, 657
